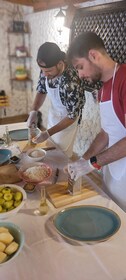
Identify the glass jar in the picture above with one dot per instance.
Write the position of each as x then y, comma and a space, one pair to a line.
43, 207
32, 132
6, 137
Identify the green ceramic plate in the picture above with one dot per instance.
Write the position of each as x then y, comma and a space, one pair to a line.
87, 223
18, 135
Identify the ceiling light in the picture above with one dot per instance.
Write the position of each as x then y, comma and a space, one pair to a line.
60, 17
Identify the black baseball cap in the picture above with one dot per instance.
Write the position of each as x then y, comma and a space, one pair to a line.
49, 54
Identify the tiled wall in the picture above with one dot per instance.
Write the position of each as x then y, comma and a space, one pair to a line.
42, 25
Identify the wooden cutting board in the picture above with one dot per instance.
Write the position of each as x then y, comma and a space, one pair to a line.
25, 146
59, 196
9, 174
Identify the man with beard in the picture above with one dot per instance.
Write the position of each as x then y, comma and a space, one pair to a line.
89, 57
66, 94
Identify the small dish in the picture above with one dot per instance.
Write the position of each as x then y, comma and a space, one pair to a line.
29, 187
36, 154
14, 159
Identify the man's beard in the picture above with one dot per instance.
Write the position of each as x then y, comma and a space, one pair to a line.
94, 78
96, 75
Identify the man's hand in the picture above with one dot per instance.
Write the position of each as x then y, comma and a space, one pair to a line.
41, 137
79, 168
32, 119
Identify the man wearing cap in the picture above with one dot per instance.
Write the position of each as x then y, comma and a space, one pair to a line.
66, 94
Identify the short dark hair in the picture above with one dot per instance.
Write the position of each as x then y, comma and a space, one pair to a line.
81, 45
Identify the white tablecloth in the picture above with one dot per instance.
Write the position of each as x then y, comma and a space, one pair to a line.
48, 256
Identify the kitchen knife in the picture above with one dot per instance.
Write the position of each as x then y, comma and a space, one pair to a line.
48, 148
56, 176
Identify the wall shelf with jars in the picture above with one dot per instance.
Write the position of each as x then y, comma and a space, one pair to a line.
19, 55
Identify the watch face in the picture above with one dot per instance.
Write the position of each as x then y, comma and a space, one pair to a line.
94, 163
93, 160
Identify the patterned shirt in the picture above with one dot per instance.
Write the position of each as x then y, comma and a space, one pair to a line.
71, 90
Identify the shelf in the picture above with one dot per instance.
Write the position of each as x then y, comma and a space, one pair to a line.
18, 32
18, 57
23, 80
14, 119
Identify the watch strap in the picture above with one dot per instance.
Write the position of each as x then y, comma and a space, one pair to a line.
93, 162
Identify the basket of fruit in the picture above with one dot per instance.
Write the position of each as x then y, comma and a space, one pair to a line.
12, 199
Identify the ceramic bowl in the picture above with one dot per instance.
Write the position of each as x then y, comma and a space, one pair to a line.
18, 235
5, 155
36, 154
35, 172
9, 212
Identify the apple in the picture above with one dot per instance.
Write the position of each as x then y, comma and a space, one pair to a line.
17, 203
11, 208
2, 201
8, 204
18, 196
8, 196
6, 190
1, 194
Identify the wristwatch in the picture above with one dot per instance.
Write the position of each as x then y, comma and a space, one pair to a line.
93, 161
